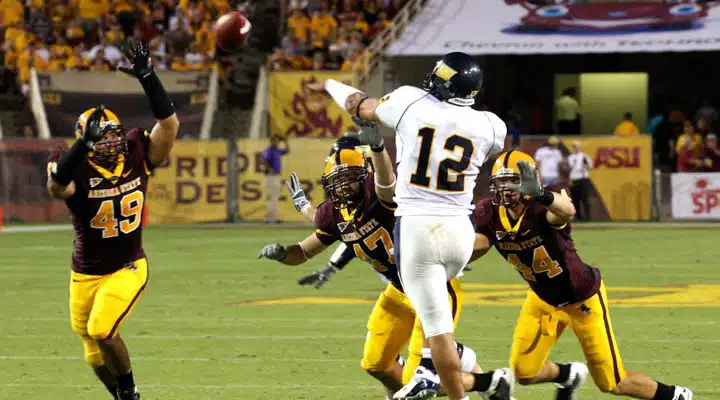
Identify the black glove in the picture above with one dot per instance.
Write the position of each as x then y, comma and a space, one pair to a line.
319, 278
138, 55
94, 132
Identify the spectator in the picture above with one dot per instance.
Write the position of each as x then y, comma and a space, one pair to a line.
160, 17
299, 23
147, 29
27, 60
75, 33
707, 112
353, 63
278, 61
687, 159
108, 52
292, 45
318, 61
702, 128
580, 165
158, 52
178, 41
300, 5
712, 153
99, 64
690, 132
548, 158
272, 156
370, 11
40, 24
13, 12
205, 38
115, 35
323, 24
57, 62
61, 48
655, 121
77, 60
567, 110
380, 25
194, 58
627, 127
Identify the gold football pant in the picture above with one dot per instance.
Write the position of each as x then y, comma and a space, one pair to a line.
100, 303
540, 326
393, 324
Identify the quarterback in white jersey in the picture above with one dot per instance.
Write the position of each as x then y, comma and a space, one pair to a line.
441, 144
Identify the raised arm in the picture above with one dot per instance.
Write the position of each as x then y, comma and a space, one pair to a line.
560, 208
352, 100
163, 134
369, 134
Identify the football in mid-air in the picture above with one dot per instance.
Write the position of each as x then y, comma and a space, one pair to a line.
232, 31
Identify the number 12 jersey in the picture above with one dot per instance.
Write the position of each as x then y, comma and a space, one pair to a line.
440, 148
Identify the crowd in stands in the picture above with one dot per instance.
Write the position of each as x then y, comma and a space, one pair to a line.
331, 34
59, 35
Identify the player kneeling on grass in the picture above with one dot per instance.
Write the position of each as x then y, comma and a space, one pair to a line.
359, 213
103, 178
530, 228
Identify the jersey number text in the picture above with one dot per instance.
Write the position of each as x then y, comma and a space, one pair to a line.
541, 263
444, 183
131, 206
381, 235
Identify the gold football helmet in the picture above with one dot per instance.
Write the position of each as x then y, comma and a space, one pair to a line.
505, 171
346, 169
113, 147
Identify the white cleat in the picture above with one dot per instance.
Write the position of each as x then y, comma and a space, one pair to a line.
682, 393
502, 385
425, 384
569, 390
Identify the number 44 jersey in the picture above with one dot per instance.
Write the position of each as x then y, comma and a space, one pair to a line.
107, 209
440, 148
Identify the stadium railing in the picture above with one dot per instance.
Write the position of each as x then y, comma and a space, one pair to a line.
38, 107
371, 55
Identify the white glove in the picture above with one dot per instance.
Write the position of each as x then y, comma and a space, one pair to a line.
273, 251
297, 194
369, 134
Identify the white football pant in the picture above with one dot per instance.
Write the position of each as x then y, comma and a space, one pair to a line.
430, 251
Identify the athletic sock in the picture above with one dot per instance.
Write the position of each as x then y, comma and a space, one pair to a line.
426, 360
107, 378
664, 392
482, 382
563, 375
126, 381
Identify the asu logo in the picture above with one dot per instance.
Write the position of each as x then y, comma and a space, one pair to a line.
342, 226
500, 235
617, 157
309, 114
95, 181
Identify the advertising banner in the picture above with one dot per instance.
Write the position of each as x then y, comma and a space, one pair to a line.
695, 195
192, 186
560, 26
296, 112
621, 179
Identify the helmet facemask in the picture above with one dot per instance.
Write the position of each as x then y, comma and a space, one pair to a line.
112, 148
502, 191
345, 185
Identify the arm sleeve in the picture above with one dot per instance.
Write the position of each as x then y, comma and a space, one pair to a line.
325, 225
342, 256
392, 107
499, 131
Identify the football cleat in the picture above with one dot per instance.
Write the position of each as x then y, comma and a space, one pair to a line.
423, 385
129, 394
682, 393
569, 390
502, 385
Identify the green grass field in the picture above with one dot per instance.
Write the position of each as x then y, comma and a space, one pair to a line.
202, 330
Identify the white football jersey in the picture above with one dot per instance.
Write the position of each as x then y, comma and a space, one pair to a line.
440, 148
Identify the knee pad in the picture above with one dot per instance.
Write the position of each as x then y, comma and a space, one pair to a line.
92, 352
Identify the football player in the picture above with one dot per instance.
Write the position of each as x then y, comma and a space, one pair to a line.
441, 144
359, 213
530, 227
103, 178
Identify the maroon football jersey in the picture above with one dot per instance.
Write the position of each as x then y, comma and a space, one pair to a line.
368, 230
543, 254
107, 210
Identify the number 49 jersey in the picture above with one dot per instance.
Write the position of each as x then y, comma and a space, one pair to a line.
107, 210
440, 148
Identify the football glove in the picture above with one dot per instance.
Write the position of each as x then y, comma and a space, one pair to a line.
369, 134
273, 251
529, 181
320, 277
138, 55
297, 194
94, 131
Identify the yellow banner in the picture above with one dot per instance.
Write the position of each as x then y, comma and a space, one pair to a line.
192, 187
621, 174
296, 112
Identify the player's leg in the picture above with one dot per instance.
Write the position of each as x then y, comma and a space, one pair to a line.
430, 251
114, 301
593, 327
538, 328
389, 329
82, 294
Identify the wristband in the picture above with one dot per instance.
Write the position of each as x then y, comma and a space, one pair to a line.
160, 104
69, 162
546, 198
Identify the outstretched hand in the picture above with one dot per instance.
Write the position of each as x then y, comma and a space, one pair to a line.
138, 55
529, 180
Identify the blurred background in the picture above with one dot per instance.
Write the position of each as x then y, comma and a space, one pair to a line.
617, 99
